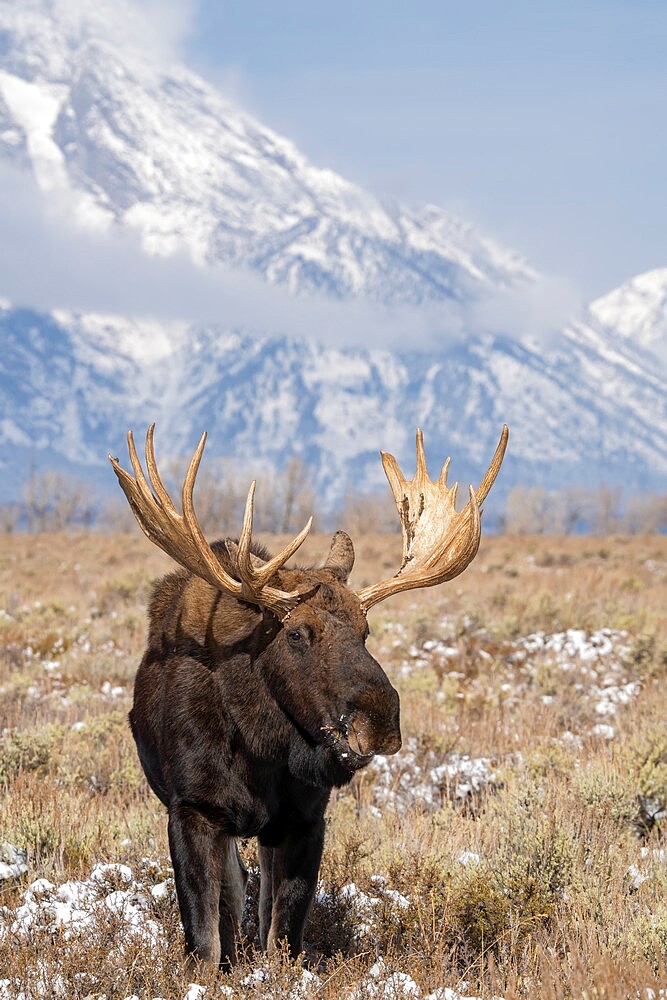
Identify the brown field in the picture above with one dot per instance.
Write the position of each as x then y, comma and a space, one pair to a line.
511, 849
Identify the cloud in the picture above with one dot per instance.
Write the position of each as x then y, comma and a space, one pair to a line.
536, 314
48, 262
156, 29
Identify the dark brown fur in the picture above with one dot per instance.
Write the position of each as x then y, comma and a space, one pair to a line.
243, 725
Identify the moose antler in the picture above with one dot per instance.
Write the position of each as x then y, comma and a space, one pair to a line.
438, 542
181, 537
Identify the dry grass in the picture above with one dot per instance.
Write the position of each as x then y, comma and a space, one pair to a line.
495, 850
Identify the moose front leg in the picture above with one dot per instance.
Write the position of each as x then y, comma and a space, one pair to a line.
210, 885
288, 880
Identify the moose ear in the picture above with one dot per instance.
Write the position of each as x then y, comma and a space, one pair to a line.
341, 556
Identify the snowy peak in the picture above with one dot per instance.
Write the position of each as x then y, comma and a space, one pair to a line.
156, 149
637, 312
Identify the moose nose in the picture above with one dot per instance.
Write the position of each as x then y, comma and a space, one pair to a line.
366, 736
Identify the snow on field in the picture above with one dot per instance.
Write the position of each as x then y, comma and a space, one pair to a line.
402, 781
13, 861
118, 904
129, 905
381, 982
366, 907
597, 662
110, 896
121, 904
650, 861
592, 666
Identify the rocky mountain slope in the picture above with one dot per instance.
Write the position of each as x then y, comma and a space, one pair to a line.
586, 412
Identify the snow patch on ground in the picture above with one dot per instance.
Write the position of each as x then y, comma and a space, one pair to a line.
406, 780
650, 861
13, 861
111, 893
599, 659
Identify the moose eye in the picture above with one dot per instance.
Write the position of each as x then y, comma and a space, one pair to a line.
295, 636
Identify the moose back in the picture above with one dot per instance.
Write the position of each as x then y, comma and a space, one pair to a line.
256, 694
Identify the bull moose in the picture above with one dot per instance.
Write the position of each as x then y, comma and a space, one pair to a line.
256, 694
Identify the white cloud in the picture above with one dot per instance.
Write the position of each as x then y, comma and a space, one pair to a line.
536, 314
154, 29
47, 263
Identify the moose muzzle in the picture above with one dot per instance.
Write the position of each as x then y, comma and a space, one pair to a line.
367, 736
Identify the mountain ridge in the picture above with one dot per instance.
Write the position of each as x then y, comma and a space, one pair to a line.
271, 398
123, 144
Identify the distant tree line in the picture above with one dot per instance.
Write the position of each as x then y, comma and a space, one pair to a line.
53, 501
603, 510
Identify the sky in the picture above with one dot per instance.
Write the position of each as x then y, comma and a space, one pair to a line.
541, 122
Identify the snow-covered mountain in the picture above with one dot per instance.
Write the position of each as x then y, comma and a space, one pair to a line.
126, 144
585, 412
634, 315
161, 152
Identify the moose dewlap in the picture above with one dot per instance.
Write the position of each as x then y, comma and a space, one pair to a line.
256, 694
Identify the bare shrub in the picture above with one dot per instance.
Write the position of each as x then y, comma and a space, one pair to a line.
116, 517
54, 501
607, 510
295, 495
645, 515
219, 496
534, 510
369, 514
528, 511
10, 518
285, 500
